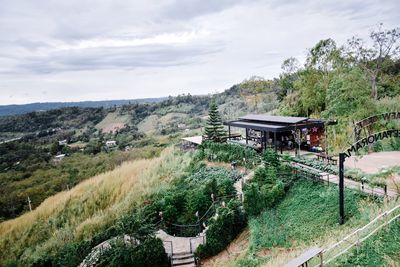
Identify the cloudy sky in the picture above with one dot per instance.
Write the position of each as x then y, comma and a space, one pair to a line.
117, 49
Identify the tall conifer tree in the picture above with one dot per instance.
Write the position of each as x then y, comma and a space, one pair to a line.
214, 130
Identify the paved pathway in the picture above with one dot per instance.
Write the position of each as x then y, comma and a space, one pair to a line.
180, 244
333, 178
188, 244
372, 163
239, 184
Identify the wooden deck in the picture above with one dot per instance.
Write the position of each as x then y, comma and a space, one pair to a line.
305, 257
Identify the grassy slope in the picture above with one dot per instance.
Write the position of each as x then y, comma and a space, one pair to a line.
305, 218
112, 122
382, 249
89, 207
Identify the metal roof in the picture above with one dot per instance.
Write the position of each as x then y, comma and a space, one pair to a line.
276, 119
274, 126
257, 126
194, 139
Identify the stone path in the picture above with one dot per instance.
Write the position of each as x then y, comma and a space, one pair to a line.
180, 244
240, 183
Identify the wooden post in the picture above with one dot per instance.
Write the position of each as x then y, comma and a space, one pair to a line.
264, 140
321, 259
275, 143
229, 132
247, 137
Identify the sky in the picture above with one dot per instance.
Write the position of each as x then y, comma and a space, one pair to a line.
80, 50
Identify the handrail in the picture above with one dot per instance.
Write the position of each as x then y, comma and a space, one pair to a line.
362, 228
358, 231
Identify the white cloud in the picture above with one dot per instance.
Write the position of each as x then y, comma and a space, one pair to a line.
89, 50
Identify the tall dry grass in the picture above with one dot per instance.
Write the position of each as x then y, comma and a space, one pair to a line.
88, 207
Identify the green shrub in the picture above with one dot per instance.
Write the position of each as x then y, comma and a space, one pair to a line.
223, 229
242, 155
149, 253
265, 189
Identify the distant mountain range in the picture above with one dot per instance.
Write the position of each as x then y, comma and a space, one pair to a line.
26, 108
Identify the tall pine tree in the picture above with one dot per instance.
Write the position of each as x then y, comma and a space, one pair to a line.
214, 130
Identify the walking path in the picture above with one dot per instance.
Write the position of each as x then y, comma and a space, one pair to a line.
187, 245
333, 178
240, 183
180, 244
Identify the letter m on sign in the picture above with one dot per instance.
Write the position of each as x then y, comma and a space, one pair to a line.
350, 150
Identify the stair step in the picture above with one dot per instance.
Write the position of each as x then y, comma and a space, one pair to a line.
182, 253
180, 262
181, 257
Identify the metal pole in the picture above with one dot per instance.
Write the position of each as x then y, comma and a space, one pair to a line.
326, 141
341, 188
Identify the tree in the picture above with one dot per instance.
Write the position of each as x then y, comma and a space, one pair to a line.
374, 59
214, 130
323, 56
290, 67
255, 86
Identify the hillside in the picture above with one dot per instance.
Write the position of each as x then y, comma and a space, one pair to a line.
88, 209
94, 173
32, 107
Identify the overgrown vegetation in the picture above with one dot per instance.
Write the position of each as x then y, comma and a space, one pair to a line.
223, 229
267, 186
38, 177
308, 212
69, 224
381, 249
228, 153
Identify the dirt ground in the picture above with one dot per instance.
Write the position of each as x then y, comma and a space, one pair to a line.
235, 250
373, 162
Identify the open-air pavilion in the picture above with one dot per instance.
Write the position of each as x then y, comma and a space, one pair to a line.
279, 132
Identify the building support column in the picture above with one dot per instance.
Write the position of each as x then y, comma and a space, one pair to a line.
275, 143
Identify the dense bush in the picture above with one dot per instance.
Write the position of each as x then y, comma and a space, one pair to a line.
263, 192
223, 228
267, 185
150, 253
228, 153
193, 194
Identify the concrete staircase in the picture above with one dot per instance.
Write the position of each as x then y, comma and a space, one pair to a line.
183, 259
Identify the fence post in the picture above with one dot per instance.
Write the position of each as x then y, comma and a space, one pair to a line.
321, 259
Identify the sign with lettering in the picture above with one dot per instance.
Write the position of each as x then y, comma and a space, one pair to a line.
370, 140
358, 126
